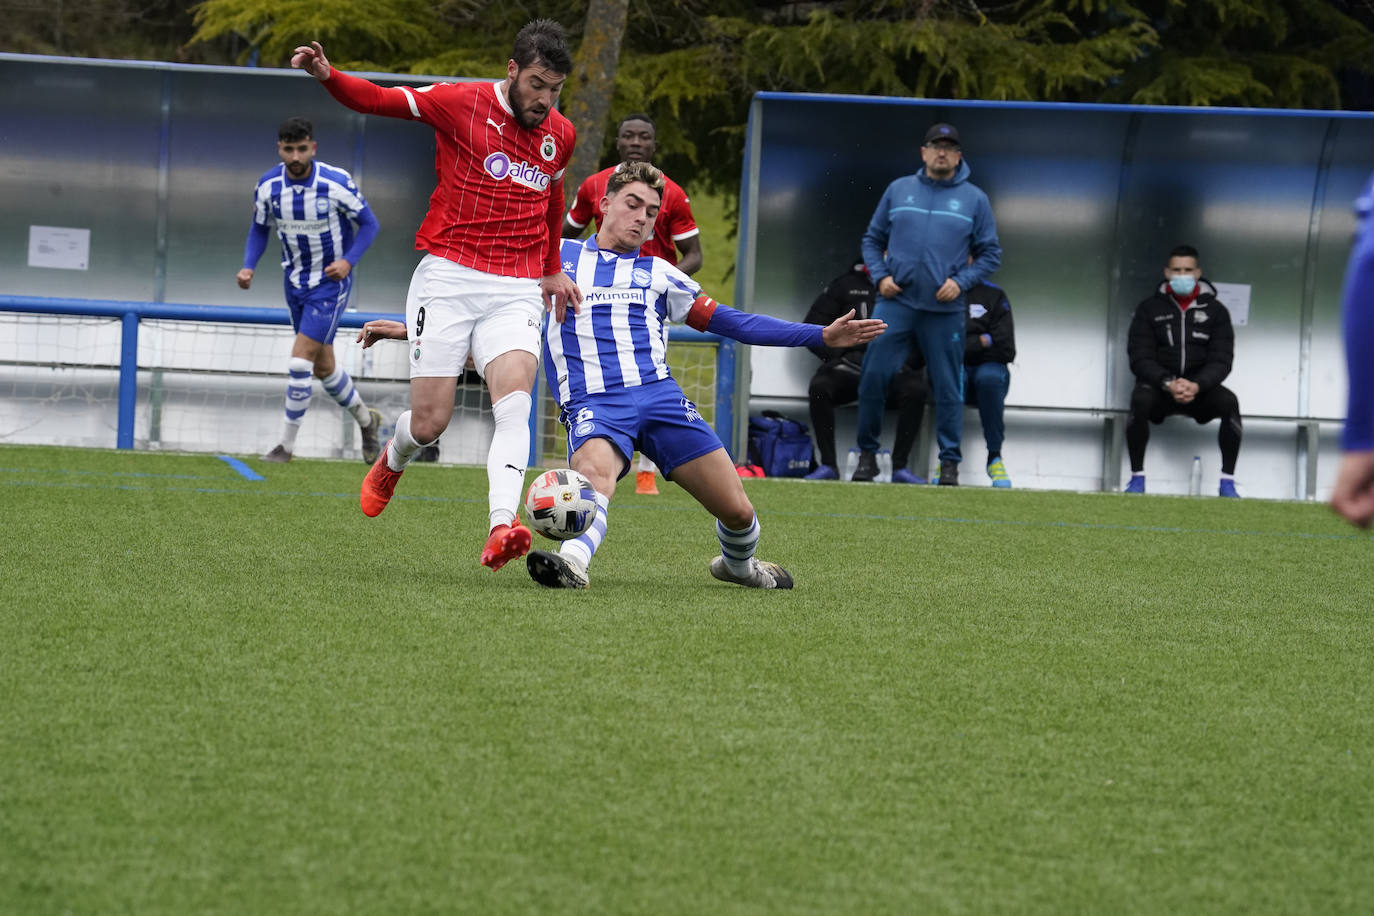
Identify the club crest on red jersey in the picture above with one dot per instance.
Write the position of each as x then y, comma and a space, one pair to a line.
548, 149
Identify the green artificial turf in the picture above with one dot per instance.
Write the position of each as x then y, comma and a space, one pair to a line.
220, 695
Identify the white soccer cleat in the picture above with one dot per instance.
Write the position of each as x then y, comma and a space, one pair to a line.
762, 574
553, 570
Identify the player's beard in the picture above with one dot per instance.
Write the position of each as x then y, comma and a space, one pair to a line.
524, 116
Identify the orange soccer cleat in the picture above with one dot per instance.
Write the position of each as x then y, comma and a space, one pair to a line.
645, 485
505, 543
378, 486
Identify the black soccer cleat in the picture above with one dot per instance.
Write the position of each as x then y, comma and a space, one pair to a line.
553, 570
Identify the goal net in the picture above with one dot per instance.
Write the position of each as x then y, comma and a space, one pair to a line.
211, 386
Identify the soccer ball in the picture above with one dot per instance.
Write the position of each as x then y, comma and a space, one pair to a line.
561, 504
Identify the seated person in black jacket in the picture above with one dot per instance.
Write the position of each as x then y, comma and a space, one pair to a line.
836, 382
1181, 345
989, 344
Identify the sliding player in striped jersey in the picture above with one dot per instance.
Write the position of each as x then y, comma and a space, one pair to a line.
313, 206
1353, 496
491, 264
675, 229
607, 368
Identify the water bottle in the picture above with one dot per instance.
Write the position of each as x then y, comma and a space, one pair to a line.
1195, 480
884, 465
851, 461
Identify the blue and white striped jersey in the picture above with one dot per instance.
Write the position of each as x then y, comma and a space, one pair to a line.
620, 339
314, 218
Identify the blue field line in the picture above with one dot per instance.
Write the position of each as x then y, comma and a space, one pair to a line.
1085, 526
243, 470
919, 519
229, 491
43, 471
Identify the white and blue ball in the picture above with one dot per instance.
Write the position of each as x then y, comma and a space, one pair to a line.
561, 504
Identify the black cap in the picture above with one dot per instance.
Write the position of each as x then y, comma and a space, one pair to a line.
941, 132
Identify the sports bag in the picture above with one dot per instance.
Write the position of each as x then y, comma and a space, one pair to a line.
781, 446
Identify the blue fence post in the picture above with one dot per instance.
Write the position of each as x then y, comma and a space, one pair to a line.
535, 422
725, 394
128, 381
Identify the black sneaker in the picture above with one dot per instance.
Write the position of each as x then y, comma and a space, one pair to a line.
949, 473
278, 455
867, 468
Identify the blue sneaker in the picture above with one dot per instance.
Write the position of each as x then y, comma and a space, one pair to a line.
1137, 484
1228, 489
998, 472
823, 472
902, 475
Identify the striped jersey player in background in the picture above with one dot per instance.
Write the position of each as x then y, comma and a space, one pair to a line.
491, 257
675, 230
1353, 496
313, 206
607, 369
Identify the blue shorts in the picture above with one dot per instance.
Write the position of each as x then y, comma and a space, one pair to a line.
656, 419
315, 312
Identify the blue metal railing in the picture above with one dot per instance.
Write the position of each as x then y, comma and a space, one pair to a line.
133, 313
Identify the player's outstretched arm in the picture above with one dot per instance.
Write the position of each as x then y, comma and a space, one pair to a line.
312, 60
706, 314
381, 329
847, 331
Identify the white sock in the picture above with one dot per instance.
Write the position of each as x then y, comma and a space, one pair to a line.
1228, 476
299, 389
403, 446
646, 463
737, 547
507, 457
581, 548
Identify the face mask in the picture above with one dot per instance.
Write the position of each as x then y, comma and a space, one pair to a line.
1183, 284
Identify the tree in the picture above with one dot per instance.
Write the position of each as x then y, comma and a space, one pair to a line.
593, 85
1250, 53
695, 64
98, 28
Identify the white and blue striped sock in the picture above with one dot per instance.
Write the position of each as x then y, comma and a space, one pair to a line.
299, 389
339, 385
581, 548
737, 547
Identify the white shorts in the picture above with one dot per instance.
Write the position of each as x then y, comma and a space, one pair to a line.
453, 311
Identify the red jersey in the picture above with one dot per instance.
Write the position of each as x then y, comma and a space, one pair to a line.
497, 206
674, 222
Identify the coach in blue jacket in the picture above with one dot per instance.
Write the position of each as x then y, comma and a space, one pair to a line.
931, 238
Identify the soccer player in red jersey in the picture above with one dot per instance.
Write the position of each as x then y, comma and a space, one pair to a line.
675, 230
491, 264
